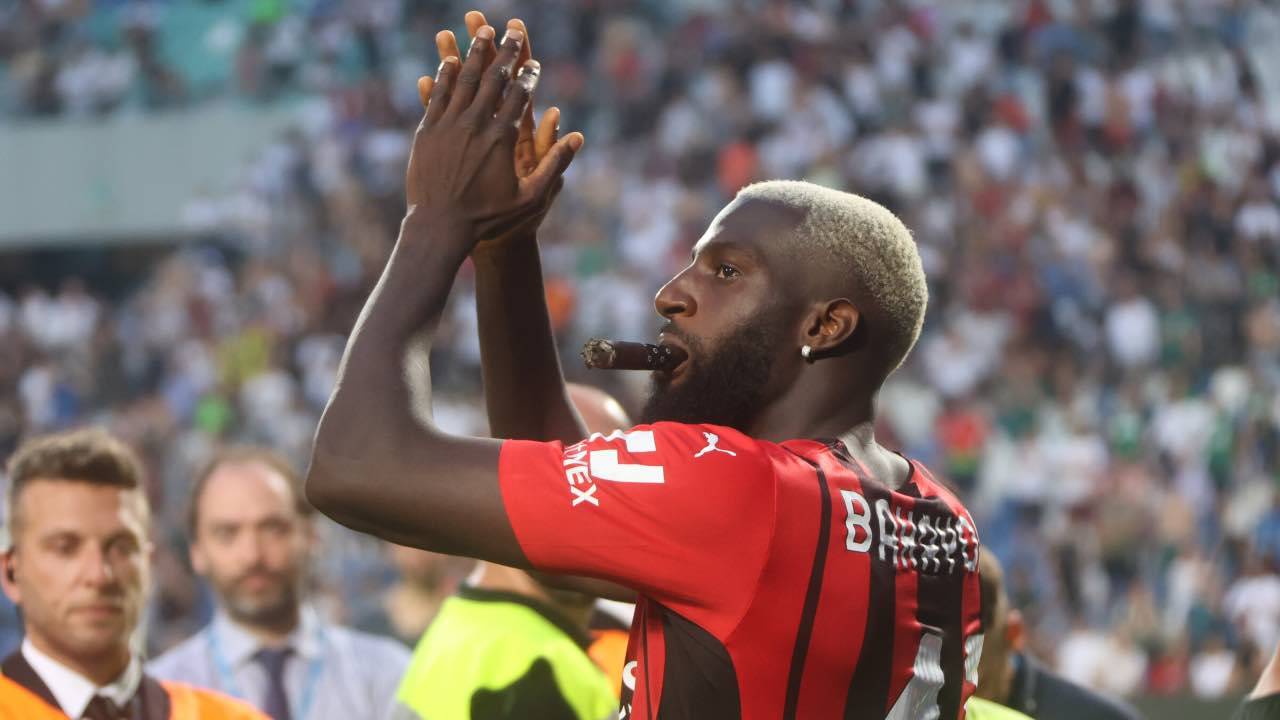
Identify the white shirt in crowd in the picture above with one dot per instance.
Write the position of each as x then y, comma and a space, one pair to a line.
1254, 602
335, 673
74, 691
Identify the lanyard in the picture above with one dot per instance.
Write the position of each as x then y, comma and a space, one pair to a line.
227, 680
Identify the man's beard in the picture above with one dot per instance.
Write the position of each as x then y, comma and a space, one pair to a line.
277, 611
723, 387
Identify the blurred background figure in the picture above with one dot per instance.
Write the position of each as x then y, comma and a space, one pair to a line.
252, 540
1264, 701
405, 608
509, 646
77, 561
1009, 676
1093, 187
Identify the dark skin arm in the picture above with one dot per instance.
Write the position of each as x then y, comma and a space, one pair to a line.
525, 392
379, 464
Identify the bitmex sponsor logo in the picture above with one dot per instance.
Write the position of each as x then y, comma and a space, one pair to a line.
578, 474
584, 465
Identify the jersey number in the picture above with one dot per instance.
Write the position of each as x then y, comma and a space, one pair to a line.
919, 699
605, 465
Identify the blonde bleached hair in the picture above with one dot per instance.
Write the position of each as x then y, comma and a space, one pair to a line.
864, 239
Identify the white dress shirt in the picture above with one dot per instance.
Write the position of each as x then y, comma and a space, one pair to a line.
334, 673
72, 690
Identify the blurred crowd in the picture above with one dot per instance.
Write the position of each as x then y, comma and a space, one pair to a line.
1094, 187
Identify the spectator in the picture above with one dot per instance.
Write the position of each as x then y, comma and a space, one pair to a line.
1011, 677
251, 538
77, 564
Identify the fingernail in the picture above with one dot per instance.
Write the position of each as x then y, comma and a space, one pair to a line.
575, 141
485, 32
532, 66
512, 34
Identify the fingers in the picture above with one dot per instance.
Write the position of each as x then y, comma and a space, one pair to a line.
526, 54
526, 49
496, 78
425, 84
447, 45
442, 88
474, 20
519, 95
548, 132
478, 58
555, 162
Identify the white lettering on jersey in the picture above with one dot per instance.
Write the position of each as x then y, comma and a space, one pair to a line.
907, 528
911, 540
712, 439
629, 675
628, 682
605, 465
972, 657
919, 699
888, 531
968, 543
857, 524
582, 467
578, 477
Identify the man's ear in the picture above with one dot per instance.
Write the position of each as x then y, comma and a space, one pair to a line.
830, 325
9, 577
1015, 630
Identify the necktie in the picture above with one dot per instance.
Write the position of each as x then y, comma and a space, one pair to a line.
100, 708
273, 661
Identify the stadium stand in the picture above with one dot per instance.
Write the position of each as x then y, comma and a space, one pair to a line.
1093, 186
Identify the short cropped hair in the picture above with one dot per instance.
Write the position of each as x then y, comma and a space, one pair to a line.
870, 243
246, 455
90, 456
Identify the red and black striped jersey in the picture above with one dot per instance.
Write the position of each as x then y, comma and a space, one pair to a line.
776, 580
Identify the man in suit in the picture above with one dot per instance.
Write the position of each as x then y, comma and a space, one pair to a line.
1011, 677
253, 541
77, 565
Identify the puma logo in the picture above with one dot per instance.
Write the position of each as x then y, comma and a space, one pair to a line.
712, 439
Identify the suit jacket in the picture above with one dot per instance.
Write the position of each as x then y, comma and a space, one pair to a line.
1045, 696
25, 696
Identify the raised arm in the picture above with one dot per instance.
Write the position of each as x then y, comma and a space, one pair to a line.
379, 464
525, 393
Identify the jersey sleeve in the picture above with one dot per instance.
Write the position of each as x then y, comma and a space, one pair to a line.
682, 513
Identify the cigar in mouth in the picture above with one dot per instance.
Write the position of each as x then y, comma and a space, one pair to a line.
622, 355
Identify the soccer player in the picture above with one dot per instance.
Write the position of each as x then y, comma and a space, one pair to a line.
78, 567
788, 566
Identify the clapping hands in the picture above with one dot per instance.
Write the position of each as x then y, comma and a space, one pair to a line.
478, 162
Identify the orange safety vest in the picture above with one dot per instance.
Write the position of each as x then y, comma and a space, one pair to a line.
609, 651
185, 703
